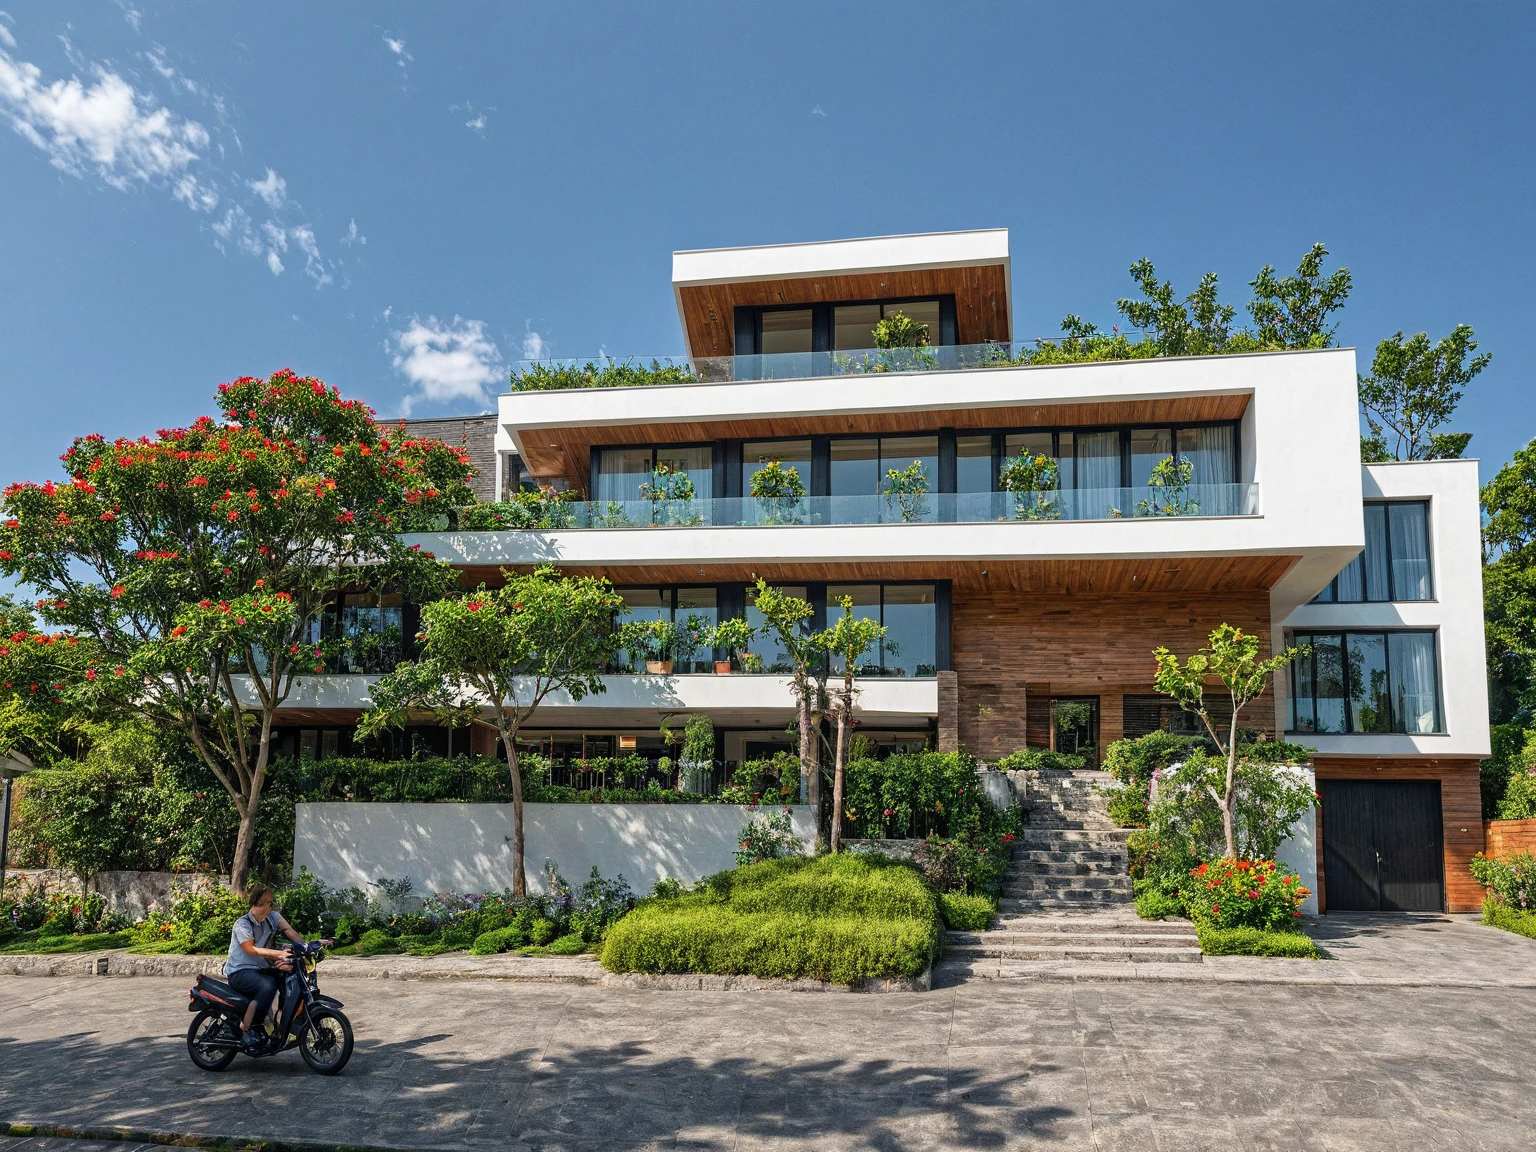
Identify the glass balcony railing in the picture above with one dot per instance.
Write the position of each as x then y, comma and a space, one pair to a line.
895, 508
552, 375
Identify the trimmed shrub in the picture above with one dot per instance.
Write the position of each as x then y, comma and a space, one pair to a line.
966, 913
1039, 759
1501, 915
715, 939
839, 918
1243, 894
375, 942
1511, 879
570, 944
1128, 808
497, 940
1155, 904
1257, 942
1519, 800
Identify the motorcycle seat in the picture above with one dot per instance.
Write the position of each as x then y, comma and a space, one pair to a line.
222, 992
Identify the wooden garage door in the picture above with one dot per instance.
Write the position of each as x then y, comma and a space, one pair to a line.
1381, 846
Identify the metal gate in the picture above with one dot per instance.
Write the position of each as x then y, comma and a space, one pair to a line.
1382, 846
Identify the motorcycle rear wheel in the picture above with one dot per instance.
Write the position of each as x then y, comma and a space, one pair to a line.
206, 1025
326, 1044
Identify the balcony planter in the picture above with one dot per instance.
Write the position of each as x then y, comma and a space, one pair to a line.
658, 667
722, 667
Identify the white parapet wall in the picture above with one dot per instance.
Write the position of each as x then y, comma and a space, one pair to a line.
1299, 854
468, 847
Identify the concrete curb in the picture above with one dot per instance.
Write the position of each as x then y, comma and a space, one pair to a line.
538, 969
705, 982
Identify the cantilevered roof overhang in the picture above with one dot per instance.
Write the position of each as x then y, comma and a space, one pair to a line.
710, 284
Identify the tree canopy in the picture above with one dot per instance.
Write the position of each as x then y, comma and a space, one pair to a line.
194, 566
1413, 389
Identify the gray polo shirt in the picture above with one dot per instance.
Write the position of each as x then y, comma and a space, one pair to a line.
260, 933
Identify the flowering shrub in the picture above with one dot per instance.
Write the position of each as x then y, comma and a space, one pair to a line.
770, 837
1228, 893
1511, 880
65, 913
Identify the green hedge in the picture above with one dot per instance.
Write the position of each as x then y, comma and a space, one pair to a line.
836, 918
1501, 915
967, 913
1257, 942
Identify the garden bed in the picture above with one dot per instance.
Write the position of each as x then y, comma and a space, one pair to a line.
1498, 914
841, 919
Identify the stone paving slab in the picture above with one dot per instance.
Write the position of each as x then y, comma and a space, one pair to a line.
494, 1065
453, 965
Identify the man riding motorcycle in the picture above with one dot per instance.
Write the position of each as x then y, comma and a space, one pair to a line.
253, 963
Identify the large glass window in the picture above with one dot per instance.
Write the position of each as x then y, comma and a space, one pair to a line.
910, 617
675, 605
371, 627
853, 325
787, 330
973, 463
767, 647
1212, 451
1149, 448
624, 472
1366, 682
794, 454
1395, 564
1098, 461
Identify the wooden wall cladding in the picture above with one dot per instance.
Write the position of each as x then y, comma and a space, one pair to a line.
981, 301
1509, 837
1461, 816
1009, 647
564, 452
1006, 578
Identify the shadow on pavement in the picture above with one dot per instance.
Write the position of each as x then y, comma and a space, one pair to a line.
405, 1094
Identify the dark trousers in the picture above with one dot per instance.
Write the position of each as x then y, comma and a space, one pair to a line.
258, 984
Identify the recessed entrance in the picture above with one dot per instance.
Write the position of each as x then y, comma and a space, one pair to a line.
1382, 846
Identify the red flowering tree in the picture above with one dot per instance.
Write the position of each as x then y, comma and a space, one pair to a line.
195, 565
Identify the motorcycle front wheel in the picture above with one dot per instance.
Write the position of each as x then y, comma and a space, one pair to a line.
326, 1044
207, 1026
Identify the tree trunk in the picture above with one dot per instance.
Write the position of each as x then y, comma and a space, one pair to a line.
509, 741
807, 745
839, 758
1228, 795
249, 807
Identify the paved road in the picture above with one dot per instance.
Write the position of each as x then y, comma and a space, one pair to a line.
987, 1065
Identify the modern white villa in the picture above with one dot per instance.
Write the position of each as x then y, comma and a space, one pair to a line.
1000, 611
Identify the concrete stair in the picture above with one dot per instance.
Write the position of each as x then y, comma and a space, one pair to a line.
1067, 900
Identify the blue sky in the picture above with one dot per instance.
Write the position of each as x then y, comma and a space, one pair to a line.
405, 199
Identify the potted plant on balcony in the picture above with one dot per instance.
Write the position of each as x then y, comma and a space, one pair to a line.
907, 488
733, 636
778, 490
670, 493
698, 759
1168, 489
1034, 482
652, 641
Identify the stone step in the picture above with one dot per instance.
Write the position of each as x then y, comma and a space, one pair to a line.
1101, 954
1035, 882
1068, 856
1034, 836
1068, 868
1119, 936
1098, 923
1063, 898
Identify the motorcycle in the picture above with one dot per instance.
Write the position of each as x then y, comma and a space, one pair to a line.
307, 1020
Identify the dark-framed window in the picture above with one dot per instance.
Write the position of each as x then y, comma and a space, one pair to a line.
1360, 681
847, 325
1395, 565
620, 473
1090, 458
909, 613
515, 476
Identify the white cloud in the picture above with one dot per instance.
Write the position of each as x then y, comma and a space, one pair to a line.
444, 360
5, 33
398, 48
477, 116
272, 188
103, 125
274, 263
817, 111
535, 347
303, 238
353, 236
199, 197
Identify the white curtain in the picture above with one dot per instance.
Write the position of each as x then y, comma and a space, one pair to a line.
1210, 451
1376, 587
1098, 460
1410, 552
1415, 703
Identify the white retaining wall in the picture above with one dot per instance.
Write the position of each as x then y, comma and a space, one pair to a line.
468, 847
1299, 854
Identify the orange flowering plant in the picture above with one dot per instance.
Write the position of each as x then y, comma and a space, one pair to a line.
1228, 893
194, 566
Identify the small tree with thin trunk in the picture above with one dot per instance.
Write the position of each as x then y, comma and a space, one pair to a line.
787, 618
1232, 656
504, 650
848, 641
